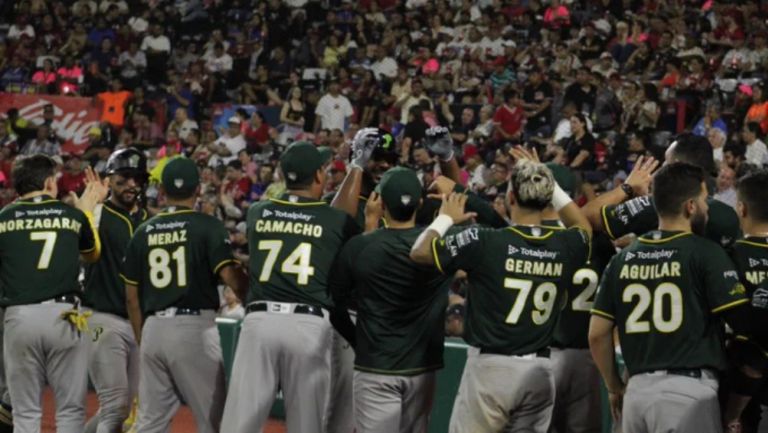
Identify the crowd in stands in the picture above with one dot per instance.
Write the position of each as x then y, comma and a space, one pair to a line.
593, 84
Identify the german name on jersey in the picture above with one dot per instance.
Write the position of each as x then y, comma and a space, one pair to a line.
663, 292
174, 259
518, 280
293, 242
39, 243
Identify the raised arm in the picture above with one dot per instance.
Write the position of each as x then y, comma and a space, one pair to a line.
363, 145
451, 212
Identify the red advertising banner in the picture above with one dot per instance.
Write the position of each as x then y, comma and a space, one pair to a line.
73, 117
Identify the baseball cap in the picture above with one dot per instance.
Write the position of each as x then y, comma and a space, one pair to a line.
563, 176
180, 176
234, 119
301, 160
400, 190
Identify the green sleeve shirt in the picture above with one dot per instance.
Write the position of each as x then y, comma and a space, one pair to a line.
664, 293
175, 258
41, 240
518, 278
751, 258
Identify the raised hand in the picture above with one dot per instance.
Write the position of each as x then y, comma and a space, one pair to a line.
438, 141
642, 174
441, 186
520, 153
96, 190
363, 145
453, 206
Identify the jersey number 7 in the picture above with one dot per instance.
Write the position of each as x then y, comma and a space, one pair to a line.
297, 263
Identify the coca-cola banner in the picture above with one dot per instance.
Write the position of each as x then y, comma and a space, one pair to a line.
73, 117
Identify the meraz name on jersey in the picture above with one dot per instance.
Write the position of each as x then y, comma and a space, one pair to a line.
304, 228
167, 238
40, 223
652, 271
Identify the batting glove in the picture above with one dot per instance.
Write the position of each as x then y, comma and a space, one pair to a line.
363, 145
438, 140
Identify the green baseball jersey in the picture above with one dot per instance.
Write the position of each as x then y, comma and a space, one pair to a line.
573, 323
400, 305
639, 216
664, 292
174, 259
41, 240
751, 258
293, 242
104, 289
518, 278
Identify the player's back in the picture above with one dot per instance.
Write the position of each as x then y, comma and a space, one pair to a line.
293, 242
401, 305
40, 240
176, 255
663, 292
751, 258
518, 280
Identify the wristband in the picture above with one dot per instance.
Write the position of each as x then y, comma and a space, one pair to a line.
353, 165
448, 158
560, 198
441, 224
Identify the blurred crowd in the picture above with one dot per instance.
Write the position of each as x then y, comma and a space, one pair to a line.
592, 84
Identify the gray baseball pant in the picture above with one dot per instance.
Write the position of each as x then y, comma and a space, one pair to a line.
5, 396
285, 349
41, 347
341, 405
660, 402
113, 369
180, 359
577, 392
504, 393
390, 404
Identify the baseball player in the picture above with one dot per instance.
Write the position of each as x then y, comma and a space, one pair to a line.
171, 269
517, 276
41, 239
114, 358
286, 334
577, 380
6, 411
624, 210
750, 254
401, 308
664, 293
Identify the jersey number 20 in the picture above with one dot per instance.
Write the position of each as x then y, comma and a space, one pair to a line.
665, 293
297, 263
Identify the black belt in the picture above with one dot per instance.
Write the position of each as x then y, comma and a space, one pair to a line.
542, 353
298, 309
178, 312
64, 299
687, 372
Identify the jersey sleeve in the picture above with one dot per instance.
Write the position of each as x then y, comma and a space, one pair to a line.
723, 289
486, 214
219, 248
579, 247
605, 306
89, 243
458, 250
131, 269
351, 227
633, 216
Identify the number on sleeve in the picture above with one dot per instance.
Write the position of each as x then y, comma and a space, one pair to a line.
584, 301
666, 295
49, 241
297, 263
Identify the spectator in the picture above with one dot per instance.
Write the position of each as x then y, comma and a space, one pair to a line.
45, 79
460, 130
580, 147
72, 177
473, 163
733, 157
537, 100
236, 184
718, 139
261, 182
758, 111
14, 76
411, 98
415, 131
157, 48
582, 92
711, 119
132, 63
21, 28
756, 152
71, 76
113, 104
231, 308
226, 147
182, 124
292, 116
384, 67
726, 180
41, 144
509, 117
256, 133
333, 109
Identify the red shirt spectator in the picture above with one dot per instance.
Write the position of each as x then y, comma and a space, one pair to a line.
73, 177
256, 132
509, 117
557, 16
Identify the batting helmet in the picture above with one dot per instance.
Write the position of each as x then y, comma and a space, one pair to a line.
385, 148
128, 161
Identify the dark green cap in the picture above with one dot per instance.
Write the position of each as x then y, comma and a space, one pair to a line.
563, 176
180, 176
400, 189
302, 159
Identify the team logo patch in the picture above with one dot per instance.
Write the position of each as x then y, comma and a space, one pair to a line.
760, 298
266, 213
629, 256
133, 161
405, 199
97, 331
178, 183
753, 263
